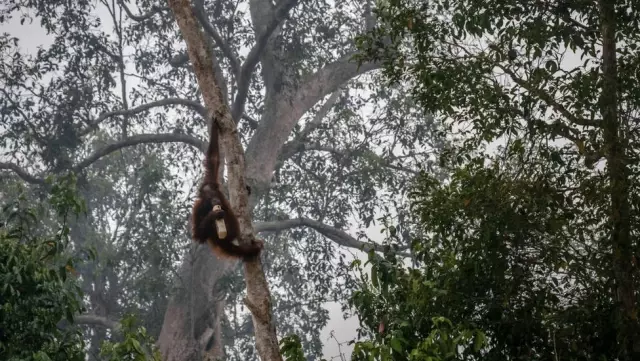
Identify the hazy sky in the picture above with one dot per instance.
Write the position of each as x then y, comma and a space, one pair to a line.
32, 36
344, 330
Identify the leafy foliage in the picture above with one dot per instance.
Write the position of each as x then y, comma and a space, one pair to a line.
401, 313
137, 345
36, 291
533, 239
291, 348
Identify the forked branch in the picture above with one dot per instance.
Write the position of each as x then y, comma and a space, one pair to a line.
139, 139
201, 14
154, 10
110, 148
244, 76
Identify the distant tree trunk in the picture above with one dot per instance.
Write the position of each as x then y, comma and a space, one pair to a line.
215, 348
615, 150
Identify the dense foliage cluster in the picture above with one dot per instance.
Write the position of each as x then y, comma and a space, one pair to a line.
533, 239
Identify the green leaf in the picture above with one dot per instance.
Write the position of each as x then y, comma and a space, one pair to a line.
137, 347
478, 341
396, 345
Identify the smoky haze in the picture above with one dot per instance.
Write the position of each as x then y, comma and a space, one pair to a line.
108, 93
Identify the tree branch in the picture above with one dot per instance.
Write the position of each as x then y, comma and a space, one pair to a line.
141, 108
298, 144
400, 168
140, 139
244, 76
108, 149
201, 14
253, 123
330, 78
321, 114
154, 10
547, 98
21, 173
273, 132
555, 129
101, 47
95, 320
340, 237
336, 235
292, 148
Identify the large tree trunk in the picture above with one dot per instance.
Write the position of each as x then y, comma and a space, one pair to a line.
615, 145
258, 296
189, 322
285, 103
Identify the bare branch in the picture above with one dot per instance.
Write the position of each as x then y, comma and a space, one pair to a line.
183, 58
340, 237
298, 144
201, 14
95, 320
154, 10
330, 78
292, 148
140, 139
336, 235
244, 76
141, 108
24, 175
273, 132
108, 149
321, 114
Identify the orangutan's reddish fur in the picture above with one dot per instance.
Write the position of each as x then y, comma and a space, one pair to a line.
203, 216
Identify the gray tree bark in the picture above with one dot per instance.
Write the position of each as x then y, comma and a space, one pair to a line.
189, 322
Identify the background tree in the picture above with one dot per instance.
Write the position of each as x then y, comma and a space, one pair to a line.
534, 238
111, 96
